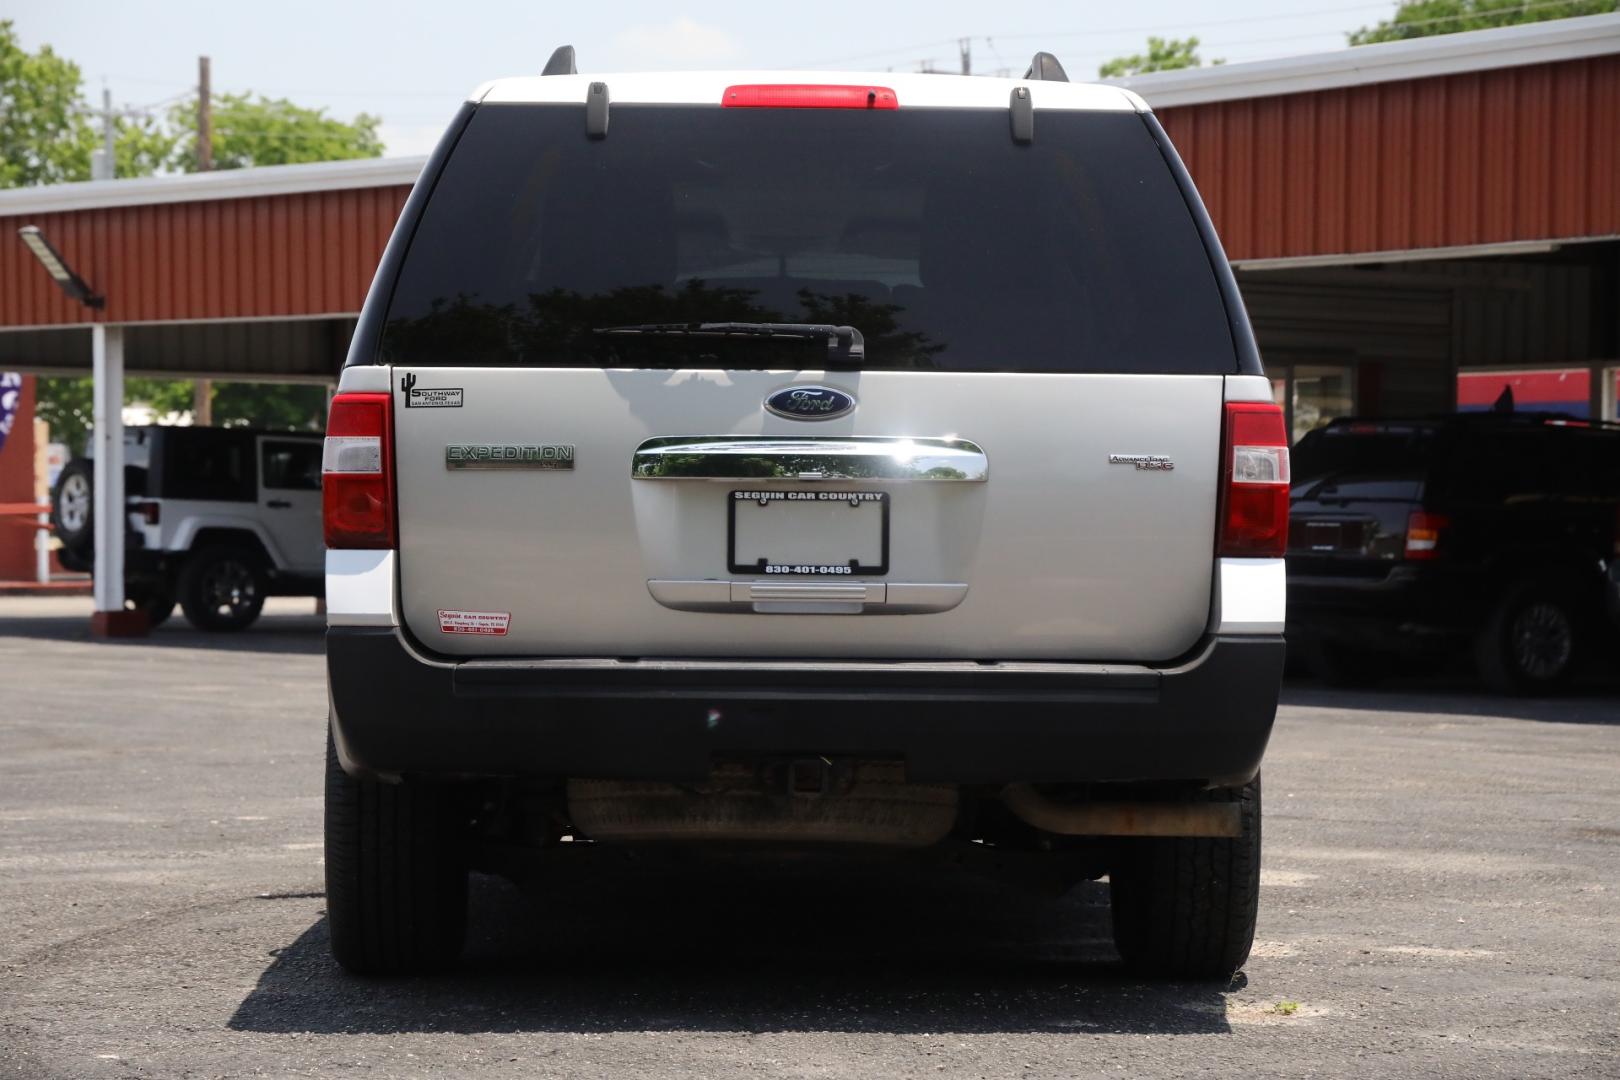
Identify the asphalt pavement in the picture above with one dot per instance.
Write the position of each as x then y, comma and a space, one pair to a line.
1441, 898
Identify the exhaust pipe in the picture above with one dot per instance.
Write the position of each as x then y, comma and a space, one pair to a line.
1210, 819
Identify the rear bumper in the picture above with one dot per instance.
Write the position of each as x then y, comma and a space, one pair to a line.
1409, 606
398, 712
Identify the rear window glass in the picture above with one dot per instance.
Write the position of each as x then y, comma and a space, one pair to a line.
944, 243
213, 464
1361, 453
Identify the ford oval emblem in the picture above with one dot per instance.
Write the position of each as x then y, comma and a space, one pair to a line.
809, 403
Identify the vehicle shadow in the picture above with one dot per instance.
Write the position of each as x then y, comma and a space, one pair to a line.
919, 952
1594, 701
303, 634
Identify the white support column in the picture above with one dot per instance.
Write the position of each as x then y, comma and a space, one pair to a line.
42, 494
107, 410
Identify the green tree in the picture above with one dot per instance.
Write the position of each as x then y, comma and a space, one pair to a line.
1163, 54
141, 146
64, 402
256, 130
47, 131
43, 136
274, 406
1422, 18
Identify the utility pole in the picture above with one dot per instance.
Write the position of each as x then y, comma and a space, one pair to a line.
966, 47
202, 391
205, 117
104, 162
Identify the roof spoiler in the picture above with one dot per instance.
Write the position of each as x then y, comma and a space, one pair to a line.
1045, 68
561, 62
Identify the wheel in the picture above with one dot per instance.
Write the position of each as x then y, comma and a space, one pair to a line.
1183, 907
222, 588
156, 598
75, 562
1345, 666
396, 873
73, 509
1532, 641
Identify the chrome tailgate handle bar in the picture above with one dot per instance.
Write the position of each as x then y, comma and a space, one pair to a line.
768, 457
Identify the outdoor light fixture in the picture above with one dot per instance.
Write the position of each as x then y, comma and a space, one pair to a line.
60, 271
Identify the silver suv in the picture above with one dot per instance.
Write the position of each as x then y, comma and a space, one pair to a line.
803, 459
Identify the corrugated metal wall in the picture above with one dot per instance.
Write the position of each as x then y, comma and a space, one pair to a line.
285, 255
1528, 153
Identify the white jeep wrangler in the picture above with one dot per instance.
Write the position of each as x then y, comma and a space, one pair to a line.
218, 519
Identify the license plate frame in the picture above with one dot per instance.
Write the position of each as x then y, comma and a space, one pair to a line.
830, 499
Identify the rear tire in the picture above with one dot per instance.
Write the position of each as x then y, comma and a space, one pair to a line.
73, 510
1185, 908
396, 873
222, 588
155, 599
1532, 642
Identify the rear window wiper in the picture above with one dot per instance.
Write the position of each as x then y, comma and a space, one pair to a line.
845, 345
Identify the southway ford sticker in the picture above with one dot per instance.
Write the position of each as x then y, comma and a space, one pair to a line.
487, 623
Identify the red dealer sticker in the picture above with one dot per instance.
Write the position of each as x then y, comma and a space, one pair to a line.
489, 623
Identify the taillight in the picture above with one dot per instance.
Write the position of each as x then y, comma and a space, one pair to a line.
357, 472
150, 512
799, 96
1254, 494
1423, 531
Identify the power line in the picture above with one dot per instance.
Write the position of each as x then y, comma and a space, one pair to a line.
1199, 25
1101, 31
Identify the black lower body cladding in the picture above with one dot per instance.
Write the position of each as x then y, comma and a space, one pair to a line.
397, 712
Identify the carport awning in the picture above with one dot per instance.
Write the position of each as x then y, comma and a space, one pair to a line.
258, 349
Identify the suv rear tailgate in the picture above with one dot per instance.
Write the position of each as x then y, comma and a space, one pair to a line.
1062, 553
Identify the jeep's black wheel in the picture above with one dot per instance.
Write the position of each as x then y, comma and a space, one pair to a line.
155, 598
222, 588
1532, 642
73, 509
1184, 908
75, 562
396, 873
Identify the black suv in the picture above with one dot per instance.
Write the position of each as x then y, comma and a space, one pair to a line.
1431, 536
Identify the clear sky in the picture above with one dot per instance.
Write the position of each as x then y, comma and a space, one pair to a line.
411, 62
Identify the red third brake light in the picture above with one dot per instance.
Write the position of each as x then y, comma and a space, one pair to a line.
357, 472
799, 96
1254, 490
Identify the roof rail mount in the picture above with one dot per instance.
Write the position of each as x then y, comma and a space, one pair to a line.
1045, 68
1021, 110
561, 62
596, 110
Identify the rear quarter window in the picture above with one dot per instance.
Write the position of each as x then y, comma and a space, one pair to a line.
291, 465
1379, 455
946, 244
